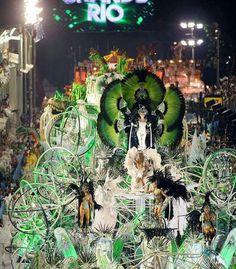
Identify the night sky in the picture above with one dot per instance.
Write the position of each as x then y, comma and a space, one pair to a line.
54, 57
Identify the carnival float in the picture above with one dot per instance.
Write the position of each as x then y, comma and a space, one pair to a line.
112, 180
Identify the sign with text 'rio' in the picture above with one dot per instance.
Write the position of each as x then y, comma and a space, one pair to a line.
102, 15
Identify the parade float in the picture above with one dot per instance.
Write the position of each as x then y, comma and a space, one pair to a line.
118, 184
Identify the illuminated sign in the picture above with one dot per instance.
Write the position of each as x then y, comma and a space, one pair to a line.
107, 10
102, 13
213, 100
120, 15
105, 1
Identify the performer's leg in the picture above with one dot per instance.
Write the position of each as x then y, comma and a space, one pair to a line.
87, 215
81, 216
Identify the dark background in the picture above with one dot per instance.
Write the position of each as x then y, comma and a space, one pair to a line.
61, 47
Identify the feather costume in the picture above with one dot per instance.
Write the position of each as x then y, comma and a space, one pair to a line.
208, 219
177, 192
80, 193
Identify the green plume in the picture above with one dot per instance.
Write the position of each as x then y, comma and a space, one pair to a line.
175, 109
152, 86
110, 101
172, 138
107, 132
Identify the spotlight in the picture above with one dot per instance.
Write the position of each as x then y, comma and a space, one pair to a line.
184, 43
183, 25
191, 25
200, 25
200, 42
191, 42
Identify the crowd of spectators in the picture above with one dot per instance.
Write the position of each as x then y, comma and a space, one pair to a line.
13, 158
8, 165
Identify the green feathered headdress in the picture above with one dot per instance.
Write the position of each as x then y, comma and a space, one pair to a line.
143, 85
140, 87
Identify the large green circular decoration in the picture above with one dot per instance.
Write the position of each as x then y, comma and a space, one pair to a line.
100, 16
58, 166
219, 176
72, 130
27, 210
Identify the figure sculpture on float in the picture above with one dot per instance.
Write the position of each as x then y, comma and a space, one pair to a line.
52, 107
160, 198
141, 158
208, 220
45, 118
170, 197
142, 126
104, 253
140, 165
86, 203
105, 196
